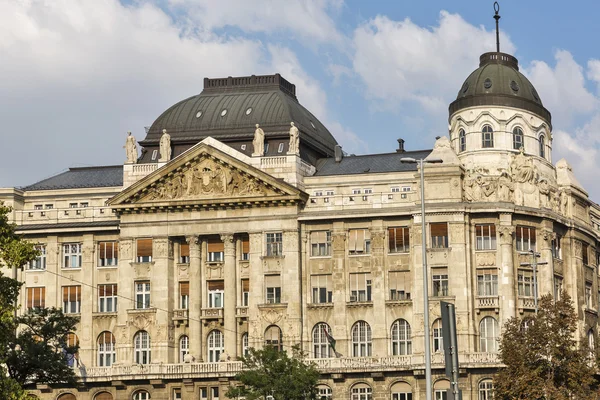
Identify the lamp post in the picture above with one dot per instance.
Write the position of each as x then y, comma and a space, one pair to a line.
534, 263
421, 163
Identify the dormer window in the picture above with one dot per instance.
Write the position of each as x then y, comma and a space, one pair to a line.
517, 138
487, 136
542, 146
462, 141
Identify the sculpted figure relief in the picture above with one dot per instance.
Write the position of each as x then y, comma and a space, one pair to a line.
259, 142
165, 147
294, 147
522, 169
130, 149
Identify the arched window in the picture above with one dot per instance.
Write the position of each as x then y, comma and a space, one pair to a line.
320, 343
103, 396
324, 392
487, 137
401, 341
438, 340
215, 345
245, 344
106, 349
71, 355
273, 337
401, 391
142, 347
361, 391
67, 396
184, 347
542, 146
517, 138
440, 389
361, 340
141, 395
462, 140
486, 389
488, 335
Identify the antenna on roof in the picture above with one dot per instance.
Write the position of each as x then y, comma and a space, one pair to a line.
497, 18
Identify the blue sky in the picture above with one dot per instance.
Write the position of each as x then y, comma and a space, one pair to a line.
78, 74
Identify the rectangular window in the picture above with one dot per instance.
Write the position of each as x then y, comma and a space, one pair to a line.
440, 282
320, 244
274, 244
584, 253
359, 241
40, 261
108, 254
395, 189
72, 205
184, 253
107, 298
72, 255
558, 287
556, 248
439, 235
214, 393
355, 191
245, 248
487, 282
525, 283
525, 237
399, 240
49, 206
280, 148
84, 205
71, 299
329, 193
400, 285
588, 295
321, 289
245, 292
216, 293
142, 295
184, 295
154, 154
216, 250
368, 191
360, 287
273, 289
177, 394
36, 297
406, 188
485, 236
144, 250
37, 207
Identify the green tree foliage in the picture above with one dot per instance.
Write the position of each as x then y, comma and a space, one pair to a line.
542, 358
270, 372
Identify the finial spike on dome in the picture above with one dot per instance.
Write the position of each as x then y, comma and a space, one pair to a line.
497, 18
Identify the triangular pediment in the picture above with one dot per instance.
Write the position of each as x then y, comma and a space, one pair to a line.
205, 176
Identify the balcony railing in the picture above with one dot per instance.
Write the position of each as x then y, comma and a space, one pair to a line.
487, 302
526, 303
212, 314
180, 317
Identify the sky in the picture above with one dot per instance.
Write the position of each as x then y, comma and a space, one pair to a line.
76, 75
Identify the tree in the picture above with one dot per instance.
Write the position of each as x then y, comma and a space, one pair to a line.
542, 357
270, 372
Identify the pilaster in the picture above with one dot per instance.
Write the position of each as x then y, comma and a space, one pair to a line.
195, 302
506, 284
229, 303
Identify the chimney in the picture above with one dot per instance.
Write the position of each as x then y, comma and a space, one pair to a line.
400, 146
339, 154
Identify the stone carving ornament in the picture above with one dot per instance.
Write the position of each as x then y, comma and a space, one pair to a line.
338, 241
294, 146
258, 143
165, 147
130, 149
506, 234
272, 316
125, 249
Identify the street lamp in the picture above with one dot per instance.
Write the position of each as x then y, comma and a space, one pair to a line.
534, 263
420, 163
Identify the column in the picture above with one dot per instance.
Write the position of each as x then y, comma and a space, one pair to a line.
229, 304
195, 305
545, 273
506, 285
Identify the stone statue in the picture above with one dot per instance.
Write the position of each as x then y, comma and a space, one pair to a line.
522, 169
259, 142
165, 147
294, 147
505, 187
564, 203
544, 188
130, 149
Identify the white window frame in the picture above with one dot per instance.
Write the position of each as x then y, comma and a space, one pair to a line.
362, 392
486, 389
485, 236
462, 141
72, 255
362, 342
215, 345
320, 344
72, 306
142, 348
39, 263
107, 354
141, 394
108, 303
245, 345
184, 347
439, 282
487, 137
525, 237
216, 298
319, 248
488, 335
401, 339
487, 283
517, 136
360, 249
525, 283
274, 244
108, 262
142, 294
438, 339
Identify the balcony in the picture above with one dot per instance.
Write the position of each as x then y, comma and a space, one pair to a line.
241, 313
211, 314
488, 303
181, 317
526, 304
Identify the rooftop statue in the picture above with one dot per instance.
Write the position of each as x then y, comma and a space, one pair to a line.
259, 142
131, 149
165, 147
294, 146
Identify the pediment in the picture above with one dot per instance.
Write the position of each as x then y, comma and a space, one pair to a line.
205, 176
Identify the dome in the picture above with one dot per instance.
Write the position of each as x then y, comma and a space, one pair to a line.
498, 82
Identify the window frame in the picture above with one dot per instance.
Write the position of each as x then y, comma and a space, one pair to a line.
488, 335
393, 247
439, 282
320, 246
362, 290
215, 345
462, 140
105, 300
274, 241
485, 237
487, 137
361, 339
438, 338
142, 348
439, 241
184, 347
108, 262
71, 305
361, 241
321, 293
39, 264
273, 293
487, 283
320, 343
401, 338
106, 352
518, 138
142, 295
525, 244
72, 254
542, 145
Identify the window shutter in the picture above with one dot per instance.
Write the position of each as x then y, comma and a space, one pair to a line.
216, 285
109, 250
439, 229
245, 285
273, 280
101, 249
478, 230
184, 288
184, 250
144, 247
215, 246
66, 293
116, 249
352, 240
42, 297
360, 240
246, 245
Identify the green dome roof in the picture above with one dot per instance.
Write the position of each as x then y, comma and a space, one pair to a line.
498, 82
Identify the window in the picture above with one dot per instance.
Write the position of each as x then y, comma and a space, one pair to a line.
184, 295
441, 389
398, 240
84, 205
102, 396
184, 253
360, 287
69, 350
280, 148
487, 282
361, 340
273, 289
362, 392
542, 146
517, 138
438, 339
71, 299
142, 295
245, 292
321, 288
368, 191
214, 393
274, 244
525, 283
243, 147
184, 347
72, 205
108, 254
321, 348
487, 136
216, 293
329, 193
266, 148
37, 207
36, 297
439, 235
177, 394
591, 344
320, 244
142, 394
324, 392
273, 337
40, 261
558, 287
245, 248
488, 335
355, 191
556, 248
72, 255
486, 389
401, 339
462, 141
245, 344
440, 282
107, 298
154, 154
485, 236
588, 295
525, 237
49, 206
359, 241
216, 250
401, 391
399, 283
142, 347
106, 349
585, 253
395, 189
144, 250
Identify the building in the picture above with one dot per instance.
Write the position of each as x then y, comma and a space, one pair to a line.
216, 239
